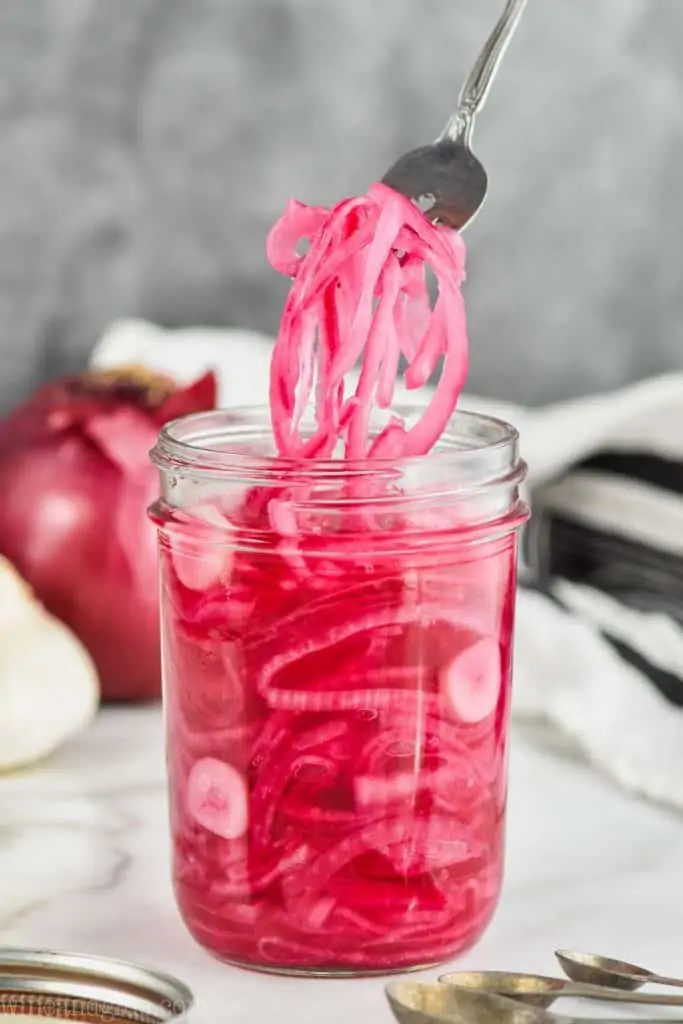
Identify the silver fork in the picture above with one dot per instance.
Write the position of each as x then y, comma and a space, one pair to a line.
446, 179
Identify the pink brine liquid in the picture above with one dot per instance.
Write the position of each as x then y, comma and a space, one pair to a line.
337, 747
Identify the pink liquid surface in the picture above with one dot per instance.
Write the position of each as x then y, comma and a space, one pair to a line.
337, 734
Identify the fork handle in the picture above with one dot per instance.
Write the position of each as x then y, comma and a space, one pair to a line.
476, 89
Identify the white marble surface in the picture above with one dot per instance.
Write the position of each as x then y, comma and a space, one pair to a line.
83, 865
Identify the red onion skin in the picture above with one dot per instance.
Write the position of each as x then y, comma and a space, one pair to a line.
76, 481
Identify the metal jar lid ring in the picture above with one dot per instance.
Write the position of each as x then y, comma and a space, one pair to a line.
88, 989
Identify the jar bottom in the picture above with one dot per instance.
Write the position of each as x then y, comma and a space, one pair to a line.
402, 963
328, 973
322, 971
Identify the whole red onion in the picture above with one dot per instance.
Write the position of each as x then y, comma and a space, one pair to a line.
76, 480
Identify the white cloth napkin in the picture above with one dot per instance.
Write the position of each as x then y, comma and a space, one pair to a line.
599, 643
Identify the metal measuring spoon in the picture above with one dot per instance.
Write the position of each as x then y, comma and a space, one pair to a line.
602, 970
539, 990
446, 179
416, 1003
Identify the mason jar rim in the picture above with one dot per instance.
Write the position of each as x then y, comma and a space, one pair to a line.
215, 443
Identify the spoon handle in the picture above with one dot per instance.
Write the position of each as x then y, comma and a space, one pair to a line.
615, 995
661, 979
617, 1020
476, 89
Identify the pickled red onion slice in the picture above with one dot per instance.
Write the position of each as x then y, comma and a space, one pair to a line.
217, 798
472, 681
360, 293
195, 569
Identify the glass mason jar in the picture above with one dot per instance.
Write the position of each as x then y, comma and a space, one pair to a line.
336, 658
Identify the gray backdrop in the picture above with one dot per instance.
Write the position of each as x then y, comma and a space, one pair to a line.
147, 145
